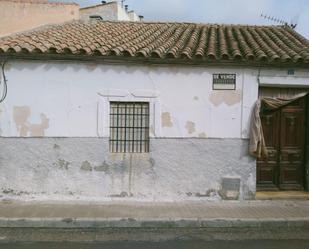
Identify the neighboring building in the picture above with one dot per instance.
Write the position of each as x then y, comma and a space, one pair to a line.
109, 11
134, 17
151, 111
21, 15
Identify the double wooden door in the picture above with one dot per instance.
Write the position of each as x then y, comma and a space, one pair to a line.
284, 132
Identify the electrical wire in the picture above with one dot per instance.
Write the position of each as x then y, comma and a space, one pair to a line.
4, 82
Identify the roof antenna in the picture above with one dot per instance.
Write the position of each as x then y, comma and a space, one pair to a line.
292, 24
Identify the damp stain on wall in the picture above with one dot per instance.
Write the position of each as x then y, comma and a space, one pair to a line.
86, 166
228, 97
62, 164
166, 119
21, 115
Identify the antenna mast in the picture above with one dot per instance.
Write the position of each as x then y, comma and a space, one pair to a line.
280, 21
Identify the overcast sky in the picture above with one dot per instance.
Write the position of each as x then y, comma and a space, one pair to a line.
220, 11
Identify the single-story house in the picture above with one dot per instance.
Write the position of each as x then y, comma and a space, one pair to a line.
152, 111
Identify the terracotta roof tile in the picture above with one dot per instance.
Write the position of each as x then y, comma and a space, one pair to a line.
163, 41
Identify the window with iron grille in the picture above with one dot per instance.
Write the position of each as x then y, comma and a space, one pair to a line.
129, 127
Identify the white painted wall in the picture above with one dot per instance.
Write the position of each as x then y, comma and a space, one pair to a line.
123, 14
133, 16
72, 99
111, 11
108, 12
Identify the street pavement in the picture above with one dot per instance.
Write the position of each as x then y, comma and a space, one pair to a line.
141, 222
156, 210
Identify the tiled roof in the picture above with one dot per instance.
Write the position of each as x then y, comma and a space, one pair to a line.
185, 42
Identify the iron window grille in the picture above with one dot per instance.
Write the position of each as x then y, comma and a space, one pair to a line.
129, 127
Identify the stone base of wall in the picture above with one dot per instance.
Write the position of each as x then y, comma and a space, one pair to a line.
83, 169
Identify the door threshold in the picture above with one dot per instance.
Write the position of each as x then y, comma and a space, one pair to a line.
282, 195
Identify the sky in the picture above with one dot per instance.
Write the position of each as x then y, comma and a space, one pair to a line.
220, 11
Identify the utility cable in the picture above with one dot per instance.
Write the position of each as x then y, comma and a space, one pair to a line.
4, 82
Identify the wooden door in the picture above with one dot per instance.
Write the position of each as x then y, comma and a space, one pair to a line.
284, 132
268, 170
292, 146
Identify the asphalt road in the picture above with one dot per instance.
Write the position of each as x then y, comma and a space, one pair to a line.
178, 244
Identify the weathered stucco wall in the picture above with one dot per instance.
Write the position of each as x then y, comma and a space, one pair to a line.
72, 100
17, 16
82, 168
199, 136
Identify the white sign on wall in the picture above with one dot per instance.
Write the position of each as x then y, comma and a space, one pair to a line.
224, 81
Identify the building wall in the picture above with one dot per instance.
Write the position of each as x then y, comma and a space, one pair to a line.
18, 15
123, 14
82, 168
133, 16
111, 11
74, 98
54, 128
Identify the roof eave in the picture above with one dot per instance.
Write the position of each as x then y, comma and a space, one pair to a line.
148, 61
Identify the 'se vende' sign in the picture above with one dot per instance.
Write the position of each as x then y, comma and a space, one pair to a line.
224, 81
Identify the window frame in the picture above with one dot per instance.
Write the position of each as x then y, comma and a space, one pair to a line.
129, 127
105, 96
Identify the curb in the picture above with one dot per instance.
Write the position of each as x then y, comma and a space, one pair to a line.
88, 223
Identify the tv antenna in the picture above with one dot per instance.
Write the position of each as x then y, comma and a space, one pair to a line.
292, 24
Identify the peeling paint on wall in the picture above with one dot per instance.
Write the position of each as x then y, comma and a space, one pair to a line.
228, 97
21, 114
83, 115
190, 126
166, 119
38, 130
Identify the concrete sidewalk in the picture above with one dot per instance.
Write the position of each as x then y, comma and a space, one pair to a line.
128, 214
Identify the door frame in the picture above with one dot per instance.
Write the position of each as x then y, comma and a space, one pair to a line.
306, 155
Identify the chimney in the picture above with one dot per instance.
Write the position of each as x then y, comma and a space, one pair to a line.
126, 7
141, 18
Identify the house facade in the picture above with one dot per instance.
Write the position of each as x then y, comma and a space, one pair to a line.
148, 111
